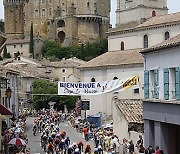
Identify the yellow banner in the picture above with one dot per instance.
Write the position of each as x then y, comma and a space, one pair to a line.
131, 82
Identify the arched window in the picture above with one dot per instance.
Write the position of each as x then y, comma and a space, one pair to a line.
122, 45
61, 23
61, 36
93, 80
166, 35
87, 4
145, 41
153, 13
115, 78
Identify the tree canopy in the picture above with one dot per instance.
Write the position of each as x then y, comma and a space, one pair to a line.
52, 51
31, 44
5, 53
1, 25
47, 91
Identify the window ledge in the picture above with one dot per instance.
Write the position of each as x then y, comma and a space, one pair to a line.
171, 101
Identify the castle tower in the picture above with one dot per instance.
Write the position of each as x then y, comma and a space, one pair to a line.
68, 21
85, 21
14, 18
139, 10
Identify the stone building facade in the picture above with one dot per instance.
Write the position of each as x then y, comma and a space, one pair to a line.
138, 11
14, 18
67, 21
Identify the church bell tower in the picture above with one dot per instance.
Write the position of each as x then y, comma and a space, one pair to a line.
14, 18
138, 11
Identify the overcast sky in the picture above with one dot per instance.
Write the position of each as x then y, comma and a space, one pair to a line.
173, 5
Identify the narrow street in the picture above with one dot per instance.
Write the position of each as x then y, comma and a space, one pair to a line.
34, 141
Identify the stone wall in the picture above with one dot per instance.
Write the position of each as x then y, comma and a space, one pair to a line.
14, 19
45, 18
138, 10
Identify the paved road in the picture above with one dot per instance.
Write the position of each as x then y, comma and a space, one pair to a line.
34, 141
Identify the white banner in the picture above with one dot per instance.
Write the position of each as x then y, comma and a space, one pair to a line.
96, 88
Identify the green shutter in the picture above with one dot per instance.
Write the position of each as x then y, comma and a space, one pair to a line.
166, 83
177, 83
156, 92
146, 84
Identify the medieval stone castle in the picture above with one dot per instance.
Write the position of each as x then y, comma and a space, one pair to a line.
67, 21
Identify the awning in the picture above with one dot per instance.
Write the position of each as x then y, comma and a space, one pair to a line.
4, 111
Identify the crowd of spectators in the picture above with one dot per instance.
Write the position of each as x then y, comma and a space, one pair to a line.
16, 132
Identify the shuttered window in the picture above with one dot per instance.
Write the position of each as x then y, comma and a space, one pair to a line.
146, 84
156, 83
166, 83
177, 83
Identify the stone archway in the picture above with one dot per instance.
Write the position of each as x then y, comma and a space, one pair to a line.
61, 35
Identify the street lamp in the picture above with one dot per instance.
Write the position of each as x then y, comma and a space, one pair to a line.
8, 94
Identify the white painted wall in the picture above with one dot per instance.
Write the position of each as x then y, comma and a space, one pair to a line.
14, 94
120, 124
120, 127
71, 74
134, 40
103, 103
24, 49
169, 58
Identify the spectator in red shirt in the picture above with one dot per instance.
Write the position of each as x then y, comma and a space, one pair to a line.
157, 150
85, 131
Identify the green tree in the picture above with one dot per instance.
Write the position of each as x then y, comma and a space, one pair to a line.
31, 45
1, 25
50, 48
49, 91
52, 51
5, 53
82, 52
8, 55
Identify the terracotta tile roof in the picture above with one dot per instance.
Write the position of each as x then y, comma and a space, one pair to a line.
125, 26
17, 41
27, 70
170, 43
20, 41
115, 58
132, 110
64, 63
6, 61
159, 20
